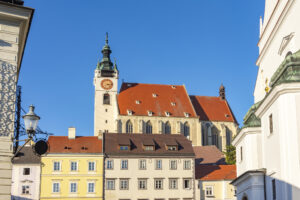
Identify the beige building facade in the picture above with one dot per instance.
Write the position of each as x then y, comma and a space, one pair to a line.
14, 26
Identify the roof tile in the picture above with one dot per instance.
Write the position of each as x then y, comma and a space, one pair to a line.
215, 172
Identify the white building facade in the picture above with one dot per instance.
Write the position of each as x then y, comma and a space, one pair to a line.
14, 26
26, 173
148, 167
268, 146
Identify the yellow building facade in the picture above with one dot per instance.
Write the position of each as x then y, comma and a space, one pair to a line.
72, 168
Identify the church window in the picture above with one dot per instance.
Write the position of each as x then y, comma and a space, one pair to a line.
228, 137
271, 123
186, 130
148, 128
215, 136
106, 99
168, 128
106, 121
129, 128
241, 153
209, 135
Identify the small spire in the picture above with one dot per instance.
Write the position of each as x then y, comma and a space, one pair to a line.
222, 92
106, 39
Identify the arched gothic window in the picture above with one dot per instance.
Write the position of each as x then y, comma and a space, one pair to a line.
215, 136
148, 128
209, 135
186, 130
228, 137
245, 198
106, 99
129, 127
167, 128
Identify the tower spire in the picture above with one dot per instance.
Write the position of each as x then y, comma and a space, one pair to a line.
106, 63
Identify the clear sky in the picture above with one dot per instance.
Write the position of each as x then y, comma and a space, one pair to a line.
198, 43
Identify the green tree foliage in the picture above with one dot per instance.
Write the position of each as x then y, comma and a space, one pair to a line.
230, 155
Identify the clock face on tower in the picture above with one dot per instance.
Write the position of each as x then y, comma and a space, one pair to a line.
106, 84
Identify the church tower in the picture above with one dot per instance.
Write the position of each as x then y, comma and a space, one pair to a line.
106, 88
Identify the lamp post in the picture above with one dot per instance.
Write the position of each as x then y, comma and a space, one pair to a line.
31, 121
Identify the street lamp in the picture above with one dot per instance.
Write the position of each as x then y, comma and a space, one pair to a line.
31, 121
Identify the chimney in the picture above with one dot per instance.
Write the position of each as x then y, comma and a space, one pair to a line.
222, 92
72, 133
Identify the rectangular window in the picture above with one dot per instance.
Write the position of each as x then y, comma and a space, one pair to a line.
142, 184
172, 148
55, 187
149, 148
241, 152
173, 183
25, 189
91, 166
271, 123
91, 187
158, 164
158, 184
187, 183
73, 166
187, 164
274, 189
142, 164
56, 166
26, 171
124, 184
209, 191
173, 164
109, 164
73, 187
110, 184
124, 164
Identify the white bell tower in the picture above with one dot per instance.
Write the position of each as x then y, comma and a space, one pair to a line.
106, 89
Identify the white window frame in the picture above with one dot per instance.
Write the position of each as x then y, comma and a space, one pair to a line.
122, 165
76, 166
53, 183
162, 183
112, 164
142, 180
94, 166
113, 185
171, 183
172, 168
88, 186
190, 184
211, 191
156, 162
187, 166
76, 187
143, 164
124, 180
59, 166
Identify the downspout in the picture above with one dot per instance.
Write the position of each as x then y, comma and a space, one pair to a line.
265, 187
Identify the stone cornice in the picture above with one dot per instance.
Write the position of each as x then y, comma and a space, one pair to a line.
244, 132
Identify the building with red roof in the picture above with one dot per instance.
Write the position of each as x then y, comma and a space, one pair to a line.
157, 108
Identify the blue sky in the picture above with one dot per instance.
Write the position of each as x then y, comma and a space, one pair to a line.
198, 43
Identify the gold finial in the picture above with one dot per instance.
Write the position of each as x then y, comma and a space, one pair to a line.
267, 89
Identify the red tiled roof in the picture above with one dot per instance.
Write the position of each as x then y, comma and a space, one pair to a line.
208, 155
212, 109
62, 144
166, 94
215, 172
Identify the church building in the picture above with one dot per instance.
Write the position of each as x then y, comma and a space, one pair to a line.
268, 145
159, 109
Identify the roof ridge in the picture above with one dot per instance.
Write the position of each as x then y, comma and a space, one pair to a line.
151, 84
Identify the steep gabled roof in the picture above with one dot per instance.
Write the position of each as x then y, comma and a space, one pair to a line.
141, 98
208, 155
212, 109
62, 144
215, 172
113, 141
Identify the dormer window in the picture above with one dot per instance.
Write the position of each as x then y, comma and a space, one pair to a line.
129, 112
167, 114
148, 147
124, 147
173, 103
173, 86
186, 114
154, 95
137, 102
226, 115
172, 148
150, 113
129, 84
